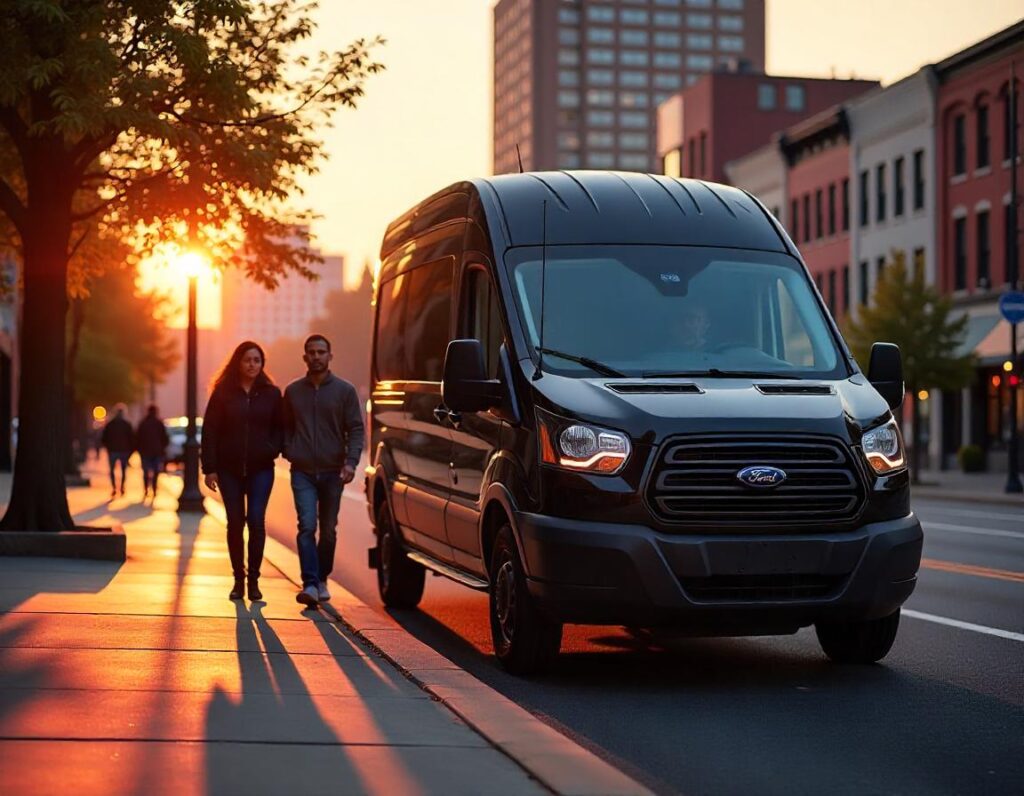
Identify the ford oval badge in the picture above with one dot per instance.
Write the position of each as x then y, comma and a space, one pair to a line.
761, 476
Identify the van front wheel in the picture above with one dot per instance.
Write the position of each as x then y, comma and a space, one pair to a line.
399, 579
526, 641
866, 641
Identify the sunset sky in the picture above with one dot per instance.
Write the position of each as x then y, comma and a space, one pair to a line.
426, 121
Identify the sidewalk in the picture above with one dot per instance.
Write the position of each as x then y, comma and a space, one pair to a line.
972, 487
145, 678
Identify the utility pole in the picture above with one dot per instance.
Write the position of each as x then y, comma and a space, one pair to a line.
1013, 483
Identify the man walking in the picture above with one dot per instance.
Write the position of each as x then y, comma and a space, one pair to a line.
151, 439
323, 441
119, 440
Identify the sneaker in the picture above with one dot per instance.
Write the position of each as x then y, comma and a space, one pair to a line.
324, 595
308, 596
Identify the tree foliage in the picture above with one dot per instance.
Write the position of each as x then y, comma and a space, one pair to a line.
907, 311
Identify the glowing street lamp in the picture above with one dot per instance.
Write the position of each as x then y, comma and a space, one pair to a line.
191, 499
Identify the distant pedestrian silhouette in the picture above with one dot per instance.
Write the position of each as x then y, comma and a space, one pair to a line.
119, 440
151, 439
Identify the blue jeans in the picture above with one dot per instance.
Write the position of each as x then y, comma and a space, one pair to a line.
245, 503
113, 457
317, 497
152, 466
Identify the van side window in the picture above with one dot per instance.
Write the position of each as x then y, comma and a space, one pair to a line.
484, 318
427, 327
390, 364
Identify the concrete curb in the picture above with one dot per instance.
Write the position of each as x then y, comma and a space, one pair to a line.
557, 762
102, 544
938, 493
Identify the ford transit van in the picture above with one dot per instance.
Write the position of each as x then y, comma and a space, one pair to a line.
618, 398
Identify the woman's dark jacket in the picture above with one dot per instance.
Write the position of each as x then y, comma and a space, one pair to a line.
242, 432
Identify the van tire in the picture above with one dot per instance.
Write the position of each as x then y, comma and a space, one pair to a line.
865, 641
399, 579
526, 641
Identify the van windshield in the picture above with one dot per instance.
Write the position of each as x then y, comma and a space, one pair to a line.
661, 310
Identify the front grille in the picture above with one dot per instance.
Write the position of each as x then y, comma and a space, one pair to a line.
695, 481
757, 588
654, 388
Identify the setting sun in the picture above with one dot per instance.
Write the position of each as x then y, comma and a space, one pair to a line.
167, 272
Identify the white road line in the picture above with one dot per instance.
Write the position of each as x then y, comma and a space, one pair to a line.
942, 526
942, 620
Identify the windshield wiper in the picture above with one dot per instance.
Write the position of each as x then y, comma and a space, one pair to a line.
593, 364
716, 373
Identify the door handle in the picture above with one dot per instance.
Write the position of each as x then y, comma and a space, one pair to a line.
441, 413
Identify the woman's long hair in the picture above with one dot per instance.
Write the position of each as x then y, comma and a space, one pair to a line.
228, 375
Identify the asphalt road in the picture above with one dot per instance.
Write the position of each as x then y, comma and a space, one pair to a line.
944, 713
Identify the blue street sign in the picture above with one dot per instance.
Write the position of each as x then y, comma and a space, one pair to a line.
1012, 306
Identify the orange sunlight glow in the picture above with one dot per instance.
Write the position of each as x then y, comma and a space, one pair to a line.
166, 272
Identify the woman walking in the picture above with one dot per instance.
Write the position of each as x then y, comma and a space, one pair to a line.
242, 435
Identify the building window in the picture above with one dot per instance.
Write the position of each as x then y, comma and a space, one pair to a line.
832, 291
795, 98
662, 80
568, 160
702, 62
601, 56
846, 288
600, 118
807, 217
959, 145
832, 209
864, 177
569, 141
633, 58
568, 36
668, 19
703, 153
794, 220
600, 97
984, 275
863, 274
634, 162
569, 16
982, 123
731, 5
819, 231
672, 163
634, 119
699, 3
919, 262
734, 44
597, 140
879, 268
766, 95
674, 3
846, 204
568, 99
600, 14
664, 38
1008, 128
699, 41
668, 60
919, 179
730, 23
634, 38
960, 254
699, 21
880, 192
600, 160
633, 79
568, 77
600, 35
600, 77
633, 99
632, 16
897, 193
568, 57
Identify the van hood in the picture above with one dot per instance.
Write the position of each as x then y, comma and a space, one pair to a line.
650, 410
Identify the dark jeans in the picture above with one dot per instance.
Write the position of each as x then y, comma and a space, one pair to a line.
317, 497
152, 466
114, 457
245, 503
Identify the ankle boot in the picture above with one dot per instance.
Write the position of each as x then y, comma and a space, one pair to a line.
254, 589
238, 592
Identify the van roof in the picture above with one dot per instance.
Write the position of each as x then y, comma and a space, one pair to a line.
614, 207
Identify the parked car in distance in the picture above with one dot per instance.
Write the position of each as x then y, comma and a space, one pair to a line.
177, 428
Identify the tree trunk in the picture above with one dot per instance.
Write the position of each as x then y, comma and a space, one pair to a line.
915, 461
38, 497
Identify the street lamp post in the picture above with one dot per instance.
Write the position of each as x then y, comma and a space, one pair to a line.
1013, 483
191, 498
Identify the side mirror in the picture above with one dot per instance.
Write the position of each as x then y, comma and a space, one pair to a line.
465, 387
885, 372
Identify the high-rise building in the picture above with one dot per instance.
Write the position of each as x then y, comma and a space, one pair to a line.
577, 82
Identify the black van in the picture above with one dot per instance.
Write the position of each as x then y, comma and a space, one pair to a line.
617, 398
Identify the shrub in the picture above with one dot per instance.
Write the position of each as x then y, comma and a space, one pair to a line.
971, 458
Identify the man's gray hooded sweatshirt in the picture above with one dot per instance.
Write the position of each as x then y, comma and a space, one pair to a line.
323, 425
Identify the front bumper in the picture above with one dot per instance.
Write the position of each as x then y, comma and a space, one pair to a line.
740, 584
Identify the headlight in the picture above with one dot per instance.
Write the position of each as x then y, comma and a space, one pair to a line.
579, 446
883, 448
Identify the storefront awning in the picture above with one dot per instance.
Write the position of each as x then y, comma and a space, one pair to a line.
978, 329
994, 349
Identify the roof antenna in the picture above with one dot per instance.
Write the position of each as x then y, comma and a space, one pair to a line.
520, 156
543, 271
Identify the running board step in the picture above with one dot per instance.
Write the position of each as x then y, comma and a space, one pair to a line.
448, 571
